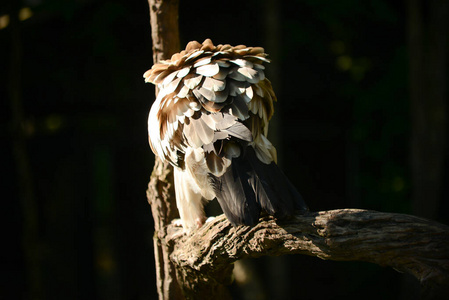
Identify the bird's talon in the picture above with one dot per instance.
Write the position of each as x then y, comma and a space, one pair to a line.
176, 222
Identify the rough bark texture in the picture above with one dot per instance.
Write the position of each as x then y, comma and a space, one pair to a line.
161, 197
164, 28
406, 243
160, 193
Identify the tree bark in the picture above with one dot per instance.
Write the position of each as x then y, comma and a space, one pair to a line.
164, 28
406, 243
160, 193
161, 197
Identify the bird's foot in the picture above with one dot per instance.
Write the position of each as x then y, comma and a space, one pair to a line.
176, 222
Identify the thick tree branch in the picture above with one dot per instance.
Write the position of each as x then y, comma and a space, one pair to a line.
406, 243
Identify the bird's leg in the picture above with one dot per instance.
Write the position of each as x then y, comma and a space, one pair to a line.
188, 201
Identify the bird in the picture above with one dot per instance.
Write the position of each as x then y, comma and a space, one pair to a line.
210, 121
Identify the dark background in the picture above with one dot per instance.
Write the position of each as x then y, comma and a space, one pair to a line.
76, 161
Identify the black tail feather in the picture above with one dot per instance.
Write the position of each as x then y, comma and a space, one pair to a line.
236, 197
288, 198
250, 186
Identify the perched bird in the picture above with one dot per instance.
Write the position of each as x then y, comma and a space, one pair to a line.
210, 121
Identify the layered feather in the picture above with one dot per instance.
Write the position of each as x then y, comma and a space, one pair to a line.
214, 104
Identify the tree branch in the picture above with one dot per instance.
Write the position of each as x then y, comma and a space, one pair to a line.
406, 243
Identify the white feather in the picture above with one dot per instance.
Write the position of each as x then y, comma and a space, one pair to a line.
183, 72
194, 54
193, 81
169, 78
202, 62
208, 70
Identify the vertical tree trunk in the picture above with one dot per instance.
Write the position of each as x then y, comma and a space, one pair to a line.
164, 28
161, 197
165, 37
173, 283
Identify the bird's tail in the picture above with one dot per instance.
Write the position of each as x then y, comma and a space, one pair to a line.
250, 187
